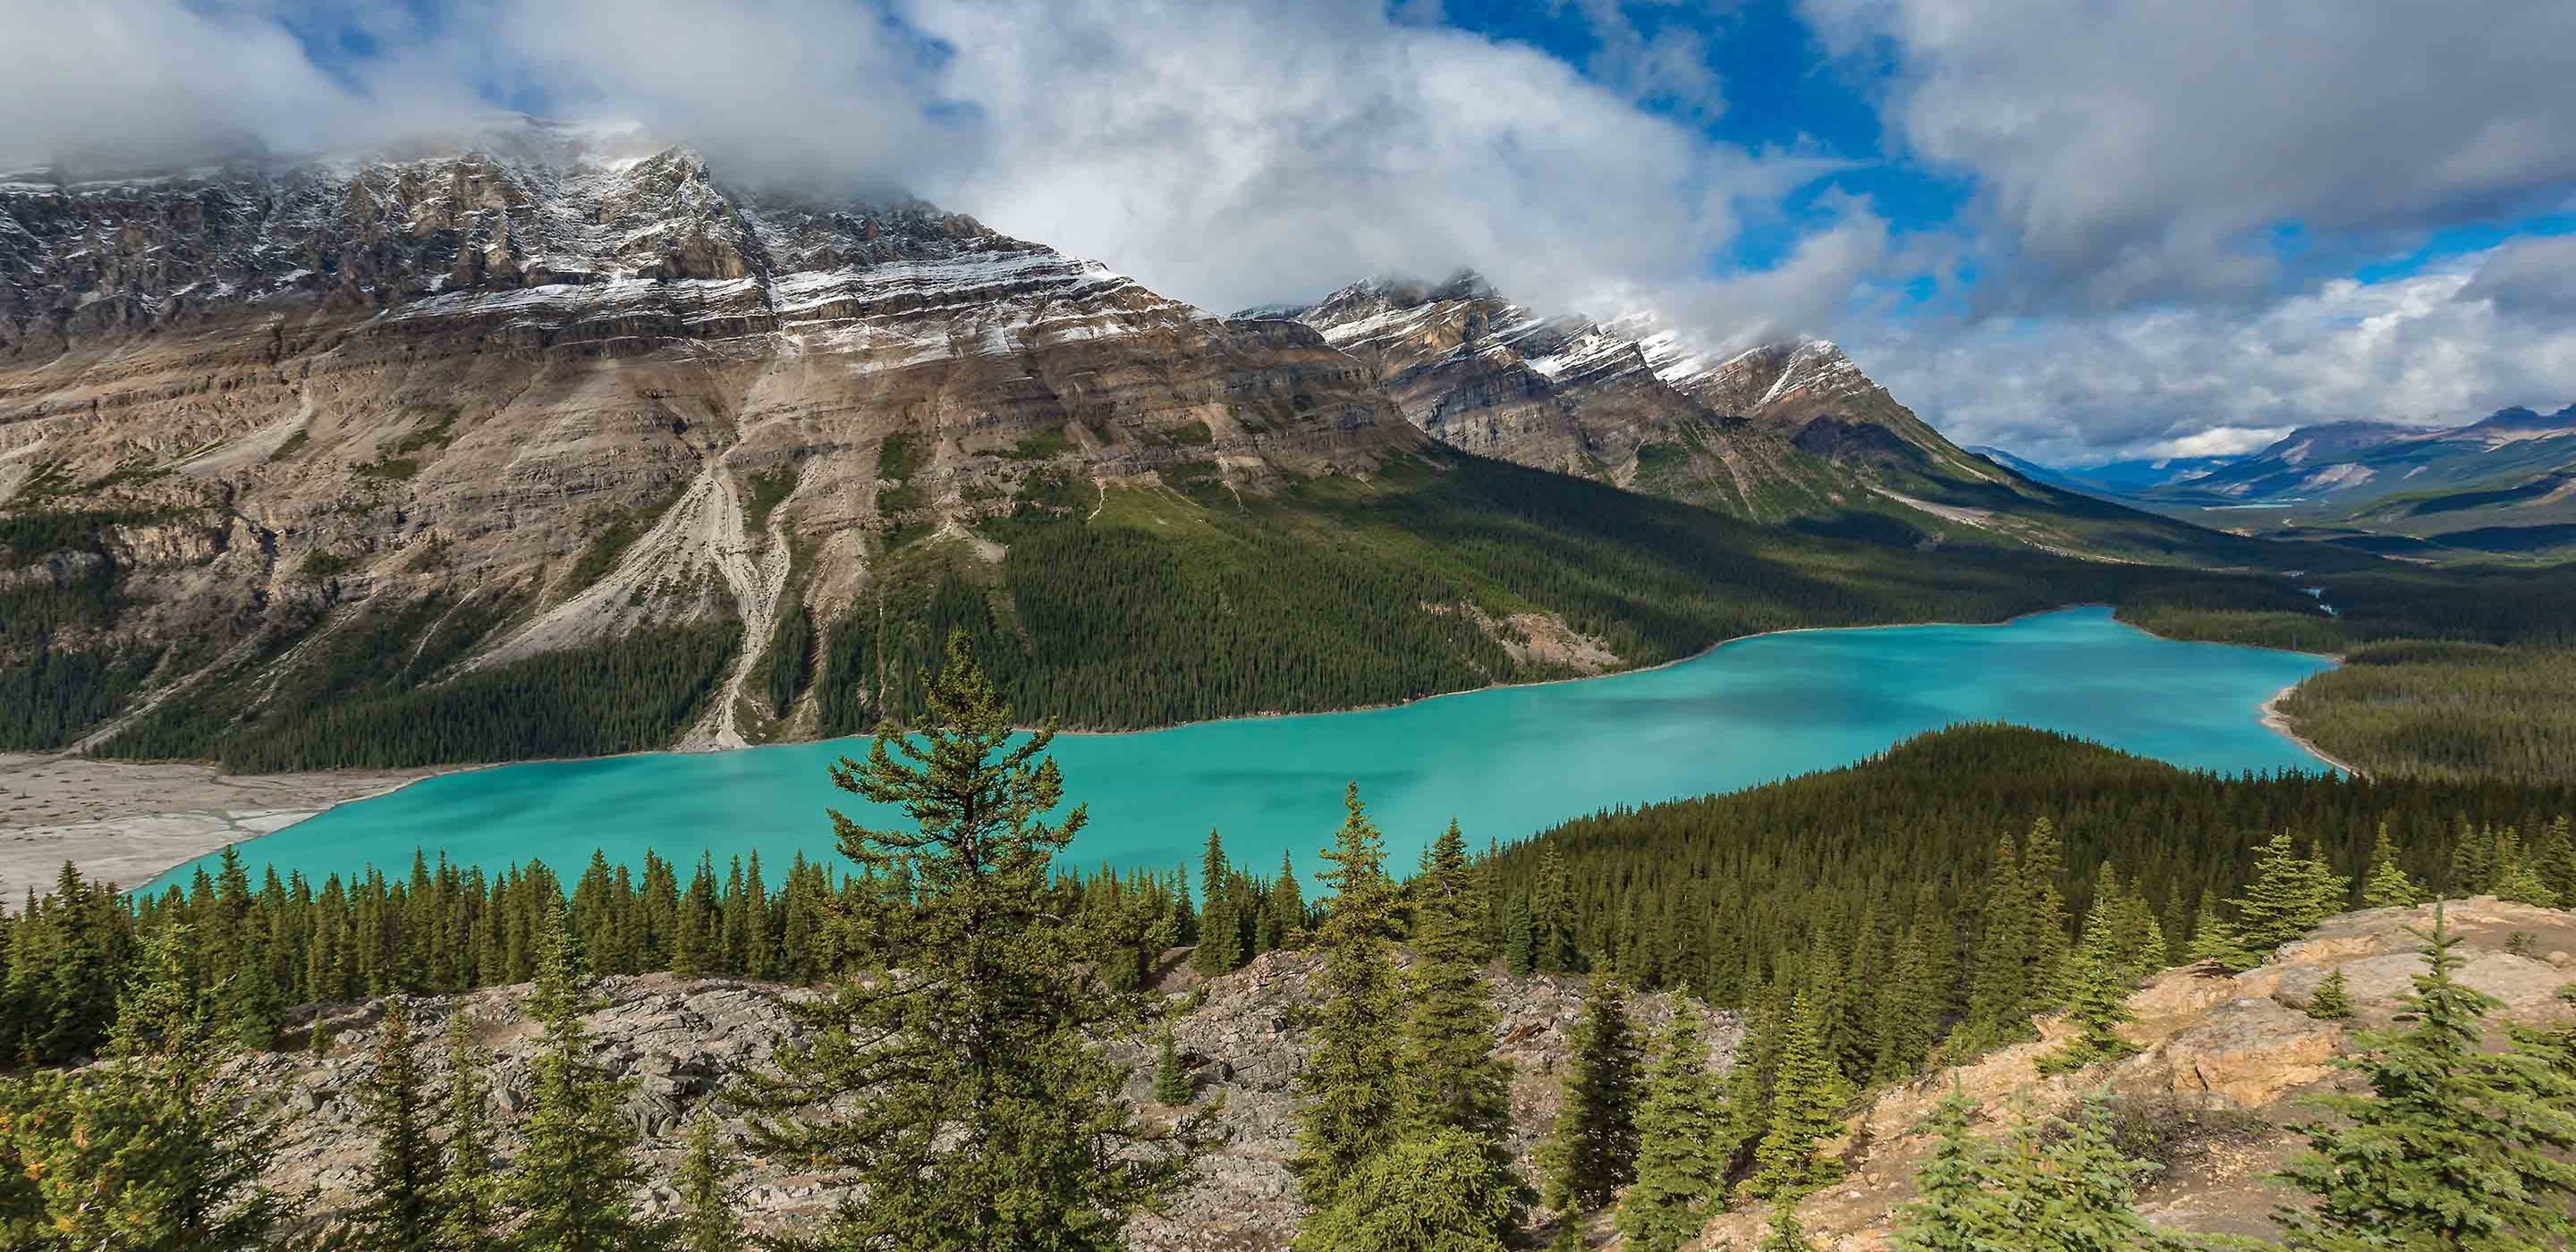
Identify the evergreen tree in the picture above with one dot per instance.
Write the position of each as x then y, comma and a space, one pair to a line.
1999, 988
2050, 954
1450, 1074
1520, 938
2088, 1190
992, 1117
469, 1194
1171, 1077
571, 1186
1591, 1152
2332, 1000
1220, 947
1681, 1163
398, 1207
709, 1197
1352, 1099
2288, 896
2100, 1000
1960, 1204
2454, 1147
1785, 1233
1285, 915
2388, 886
1431, 1190
1807, 1099
154, 1148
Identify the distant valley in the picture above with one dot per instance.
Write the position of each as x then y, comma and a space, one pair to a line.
2503, 487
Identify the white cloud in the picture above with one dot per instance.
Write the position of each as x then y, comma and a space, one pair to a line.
2133, 151
2434, 348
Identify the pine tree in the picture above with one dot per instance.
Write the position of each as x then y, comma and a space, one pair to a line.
2088, 1188
2288, 896
1431, 1190
1999, 986
2454, 1148
2332, 1000
153, 1148
469, 1194
1681, 1125
1959, 1203
1807, 1099
1451, 1077
2100, 1000
992, 1117
2388, 886
2049, 952
1171, 1077
1285, 915
1785, 1233
1220, 948
1520, 938
1591, 1152
1352, 1099
571, 1185
709, 1197
399, 1196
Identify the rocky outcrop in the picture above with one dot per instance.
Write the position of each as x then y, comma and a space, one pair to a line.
686, 1043
2224, 1063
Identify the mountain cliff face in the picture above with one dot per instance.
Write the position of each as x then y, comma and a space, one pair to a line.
1769, 434
1790, 434
560, 393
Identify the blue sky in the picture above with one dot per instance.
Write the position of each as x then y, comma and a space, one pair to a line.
2076, 228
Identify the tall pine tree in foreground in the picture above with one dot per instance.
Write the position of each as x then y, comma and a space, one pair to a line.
1592, 1150
2099, 1000
469, 1193
398, 1210
153, 1148
1444, 1181
1959, 1200
1451, 1078
992, 1117
1681, 1129
1352, 1099
709, 1196
2455, 1147
1807, 1099
1220, 947
572, 1186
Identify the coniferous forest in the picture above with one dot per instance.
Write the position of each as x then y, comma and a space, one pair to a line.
1870, 923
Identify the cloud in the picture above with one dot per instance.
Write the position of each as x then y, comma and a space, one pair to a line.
2435, 348
2129, 152
1247, 153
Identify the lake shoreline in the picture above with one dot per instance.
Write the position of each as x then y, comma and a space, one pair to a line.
2269, 718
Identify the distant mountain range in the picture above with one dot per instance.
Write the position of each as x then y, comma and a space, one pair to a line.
2503, 484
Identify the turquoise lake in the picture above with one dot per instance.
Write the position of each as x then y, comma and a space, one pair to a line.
1504, 762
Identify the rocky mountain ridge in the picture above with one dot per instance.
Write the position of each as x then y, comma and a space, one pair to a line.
551, 395
1793, 434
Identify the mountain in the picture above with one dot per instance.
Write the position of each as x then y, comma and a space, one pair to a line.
558, 443
1792, 434
2494, 487
2351, 463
